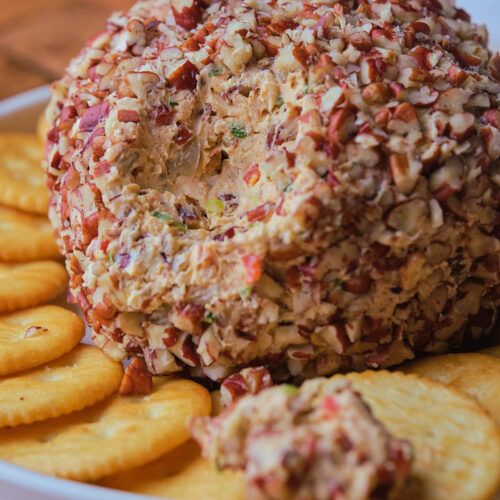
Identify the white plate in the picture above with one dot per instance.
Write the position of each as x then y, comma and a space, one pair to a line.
19, 113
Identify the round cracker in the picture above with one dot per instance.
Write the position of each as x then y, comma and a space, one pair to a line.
478, 375
78, 379
112, 436
456, 443
492, 351
182, 474
42, 127
25, 237
22, 181
35, 336
30, 284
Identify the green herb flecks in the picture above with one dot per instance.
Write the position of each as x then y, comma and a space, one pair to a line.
172, 103
289, 389
172, 221
214, 72
280, 101
111, 259
245, 292
338, 283
209, 318
215, 207
238, 131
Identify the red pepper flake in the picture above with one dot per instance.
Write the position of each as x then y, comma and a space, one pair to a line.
330, 406
253, 268
128, 116
261, 212
252, 175
183, 135
162, 115
104, 245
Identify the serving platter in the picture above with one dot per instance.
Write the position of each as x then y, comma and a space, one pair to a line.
19, 113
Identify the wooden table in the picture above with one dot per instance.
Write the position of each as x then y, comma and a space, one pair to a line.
38, 37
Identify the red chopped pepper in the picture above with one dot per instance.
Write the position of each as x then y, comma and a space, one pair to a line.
252, 175
330, 406
253, 268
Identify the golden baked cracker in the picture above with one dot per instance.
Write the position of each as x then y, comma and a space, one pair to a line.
25, 237
32, 337
22, 181
78, 379
117, 434
478, 375
492, 351
30, 284
42, 127
182, 474
456, 444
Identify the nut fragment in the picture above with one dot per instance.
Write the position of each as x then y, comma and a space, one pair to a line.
408, 216
136, 380
376, 93
448, 180
405, 172
461, 126
247, 381
184, 77
142, 82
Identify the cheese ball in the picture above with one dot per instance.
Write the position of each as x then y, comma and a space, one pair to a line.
310, 187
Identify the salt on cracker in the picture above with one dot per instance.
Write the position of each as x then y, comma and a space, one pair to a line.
456, 444
115, 435
25, 237
478, 375
32, 337
30, 284
22, 181
182, 474
78, 379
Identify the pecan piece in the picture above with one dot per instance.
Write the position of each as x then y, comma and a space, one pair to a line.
136, 380
247, 381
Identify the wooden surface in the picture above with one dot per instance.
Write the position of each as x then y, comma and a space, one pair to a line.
38, 37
